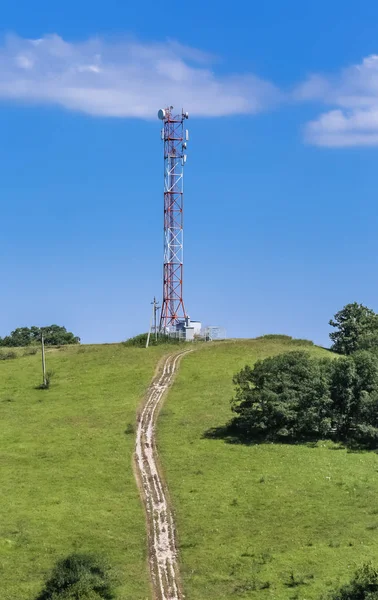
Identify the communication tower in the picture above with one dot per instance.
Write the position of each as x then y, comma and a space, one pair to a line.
175, 138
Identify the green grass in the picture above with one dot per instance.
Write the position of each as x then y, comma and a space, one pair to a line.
67, 483
260, 521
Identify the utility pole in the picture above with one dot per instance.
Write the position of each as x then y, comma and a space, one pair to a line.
43, 360
156, 308
149, 331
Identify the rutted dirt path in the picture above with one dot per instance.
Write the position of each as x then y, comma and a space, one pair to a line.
161, 529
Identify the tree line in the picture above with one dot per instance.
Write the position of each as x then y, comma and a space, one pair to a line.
54, 335
295, 395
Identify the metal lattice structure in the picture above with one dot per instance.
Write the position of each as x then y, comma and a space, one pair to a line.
175, 139
211, 333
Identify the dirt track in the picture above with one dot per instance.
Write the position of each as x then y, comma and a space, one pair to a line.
161, 530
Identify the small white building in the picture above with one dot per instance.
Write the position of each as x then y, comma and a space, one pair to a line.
187, 329
192, 329
197, 327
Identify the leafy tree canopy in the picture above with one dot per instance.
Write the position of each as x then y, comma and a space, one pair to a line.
283, 395
54, 335
294, 395
356, 329
78, 577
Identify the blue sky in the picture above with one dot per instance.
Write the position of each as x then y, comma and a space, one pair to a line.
281, 186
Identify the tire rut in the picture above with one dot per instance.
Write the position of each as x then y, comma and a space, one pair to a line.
160, 524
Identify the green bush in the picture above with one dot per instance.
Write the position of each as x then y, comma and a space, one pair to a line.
302, 342
78, 577
46, 386
363, 586
30, 351
281, 337
8, 355
285, 395
294, 395
141, 340
275, 336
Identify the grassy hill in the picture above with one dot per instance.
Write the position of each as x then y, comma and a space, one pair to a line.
260, 521
257, 521
66, 465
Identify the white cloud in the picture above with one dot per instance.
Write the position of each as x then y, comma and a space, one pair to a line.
125, 79
24, 62
353, 94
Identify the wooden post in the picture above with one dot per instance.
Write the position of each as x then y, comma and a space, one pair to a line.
155, 309
43, 360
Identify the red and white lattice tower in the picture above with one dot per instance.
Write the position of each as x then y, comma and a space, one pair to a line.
175, 138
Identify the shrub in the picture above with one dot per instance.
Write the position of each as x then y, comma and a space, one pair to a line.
141, 340
138, 340
363, 586
286, 395
30, 351
46, 386
275, 336
302, 342
49, 376
8, 355
293, 395
281, 337
78, 577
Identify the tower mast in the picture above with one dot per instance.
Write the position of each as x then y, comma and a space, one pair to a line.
175, 139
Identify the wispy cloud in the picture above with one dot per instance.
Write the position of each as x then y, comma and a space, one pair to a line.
125, 79
353, 96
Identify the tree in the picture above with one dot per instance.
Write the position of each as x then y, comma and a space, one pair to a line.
343, 377
285, 395
354, 394
358, 418
18, 337
363, 586
294, 395
78, 577
58, 336
356, 329
54, 335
